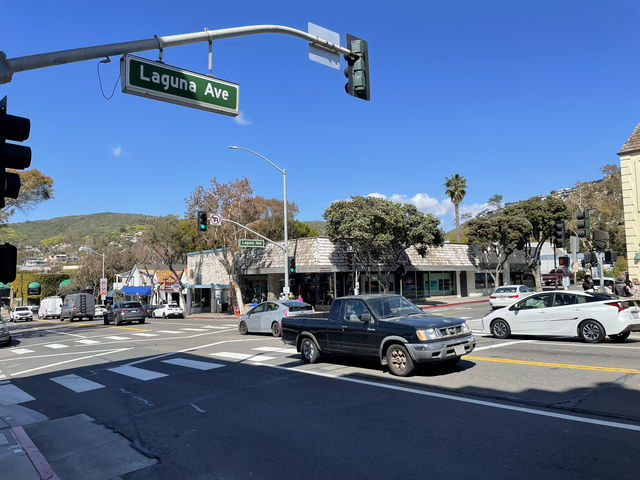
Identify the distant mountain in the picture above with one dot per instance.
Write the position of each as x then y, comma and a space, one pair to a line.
73, 229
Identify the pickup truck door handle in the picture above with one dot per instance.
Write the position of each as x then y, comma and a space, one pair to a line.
344, 327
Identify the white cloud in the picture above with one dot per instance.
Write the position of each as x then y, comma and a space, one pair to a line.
116, 151
422, 201
474, 209
242, 119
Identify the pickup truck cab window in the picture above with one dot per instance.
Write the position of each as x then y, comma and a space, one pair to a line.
395, 306
354, 309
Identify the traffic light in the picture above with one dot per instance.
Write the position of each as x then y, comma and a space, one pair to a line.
590, 257
357, 69
8, 259
584, 225
600, 240
563, 261
610, 257
292, 266
559, 234
202, 221
13, 156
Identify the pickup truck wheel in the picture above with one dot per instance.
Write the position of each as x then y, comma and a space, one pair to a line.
309, 350
243, 328
275, 329
399, 361
619, 337
500, 329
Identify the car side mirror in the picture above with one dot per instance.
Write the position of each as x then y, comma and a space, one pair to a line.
366, 318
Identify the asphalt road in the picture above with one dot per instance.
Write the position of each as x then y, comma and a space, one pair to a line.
206, 402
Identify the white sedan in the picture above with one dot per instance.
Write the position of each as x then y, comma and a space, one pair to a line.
168, 310
507, 294
590, 316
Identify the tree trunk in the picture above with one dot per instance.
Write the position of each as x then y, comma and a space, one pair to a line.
457, 223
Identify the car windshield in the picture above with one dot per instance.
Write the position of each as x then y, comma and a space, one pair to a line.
173, 305
386, 307
21, 309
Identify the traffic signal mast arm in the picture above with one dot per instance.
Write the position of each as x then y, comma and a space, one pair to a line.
254, 232
9, 66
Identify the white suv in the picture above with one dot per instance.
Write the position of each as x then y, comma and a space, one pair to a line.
21, 313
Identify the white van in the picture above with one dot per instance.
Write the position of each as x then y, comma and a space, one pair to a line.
50, 307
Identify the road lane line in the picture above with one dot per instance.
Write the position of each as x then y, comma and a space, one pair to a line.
116, 337
444, 396
549, 364
86, 341
242, 356
76, 383
502, 345
104, 352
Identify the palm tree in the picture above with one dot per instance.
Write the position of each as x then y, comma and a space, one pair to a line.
456, 185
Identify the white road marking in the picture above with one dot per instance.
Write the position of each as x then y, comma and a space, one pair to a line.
276, 349
21, 351
88, 342
12, 395
498, 345
242, 356
185, 362
100, 353
136, 372
76, 383
168, 331
217, 327
145, 334
232, 325
117, 337
194, 329
198, 409
56, 346
542, 413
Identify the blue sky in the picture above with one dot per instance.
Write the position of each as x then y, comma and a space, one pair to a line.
518, 97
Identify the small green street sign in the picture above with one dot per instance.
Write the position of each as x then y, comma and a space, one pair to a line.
159, 81
246, 242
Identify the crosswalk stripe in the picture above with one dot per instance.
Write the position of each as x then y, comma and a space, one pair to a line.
135, 372
276, 350
88, 342
216, 327
21, 351
194, 329
12, 395
117, 337
145, 334
185, 362
56, 346
168, 331
242, 356
76, 383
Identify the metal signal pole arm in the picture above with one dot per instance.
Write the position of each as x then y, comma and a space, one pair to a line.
9, 66
254, 232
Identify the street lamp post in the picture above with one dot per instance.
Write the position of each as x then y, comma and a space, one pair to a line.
286, 289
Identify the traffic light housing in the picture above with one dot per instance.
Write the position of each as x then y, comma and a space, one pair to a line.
292, 266
584, 224
8, 260
357, 69
564, 261
559, 234
202, 221
600, 240
17, 157
610, 257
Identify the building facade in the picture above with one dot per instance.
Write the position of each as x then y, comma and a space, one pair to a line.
630, 175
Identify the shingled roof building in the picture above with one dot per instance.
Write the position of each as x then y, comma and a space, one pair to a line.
630, 175
325, 270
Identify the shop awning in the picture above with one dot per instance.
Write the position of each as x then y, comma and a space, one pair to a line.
64, 283
136, 290
34, 285
111, 293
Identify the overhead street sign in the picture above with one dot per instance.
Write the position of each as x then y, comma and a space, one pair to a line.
215, 219
246, 242
147, 78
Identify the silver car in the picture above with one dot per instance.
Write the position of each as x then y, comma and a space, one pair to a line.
5, 338
266, 317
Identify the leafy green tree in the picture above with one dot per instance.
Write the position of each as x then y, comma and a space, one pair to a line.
35, 187
542, 213
378, 231
456, 185
497, 237
495, 202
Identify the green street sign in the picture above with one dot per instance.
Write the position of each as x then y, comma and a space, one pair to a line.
246, 242
159, 81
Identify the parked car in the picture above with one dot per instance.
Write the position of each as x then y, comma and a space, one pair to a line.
591, 316
21, 313
34, 310
99, 310
148, 310
609, 286
507, 294
78, 305
266, 316
50, 307
5, 337
124, 312
168, 310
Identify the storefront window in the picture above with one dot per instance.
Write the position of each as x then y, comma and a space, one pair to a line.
481, 280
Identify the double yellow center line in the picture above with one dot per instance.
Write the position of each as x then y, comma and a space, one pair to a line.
554, 365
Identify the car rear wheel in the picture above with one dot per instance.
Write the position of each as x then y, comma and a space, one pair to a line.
591, 331
619, 337
243, 328
309, 350
275, 329
500, 329
399, 361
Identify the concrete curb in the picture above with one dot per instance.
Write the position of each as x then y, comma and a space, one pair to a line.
37, 459
454, 303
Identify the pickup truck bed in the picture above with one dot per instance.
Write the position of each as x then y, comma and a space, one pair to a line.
387, 327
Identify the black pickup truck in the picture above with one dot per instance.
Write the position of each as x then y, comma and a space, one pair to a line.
388, 327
